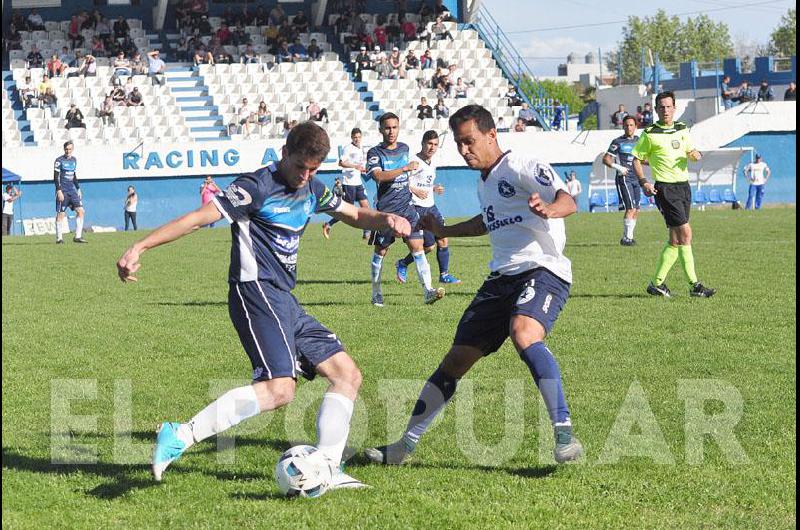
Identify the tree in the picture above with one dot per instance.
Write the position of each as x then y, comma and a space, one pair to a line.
784, 37
565, 93
674, 41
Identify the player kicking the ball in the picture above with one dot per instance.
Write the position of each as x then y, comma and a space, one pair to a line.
524, 203
268, 211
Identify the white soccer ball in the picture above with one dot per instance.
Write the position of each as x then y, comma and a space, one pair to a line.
303, 471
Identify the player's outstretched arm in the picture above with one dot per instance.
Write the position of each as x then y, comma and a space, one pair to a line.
128, 264
471, 228
387, 175
563, 206
369, 219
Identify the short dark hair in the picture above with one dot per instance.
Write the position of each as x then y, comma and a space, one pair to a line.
629, 117
68, 142
308, 140
429, 135
664, 95
482, 117
388, 116
355, 130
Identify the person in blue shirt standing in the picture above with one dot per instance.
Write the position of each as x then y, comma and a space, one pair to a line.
269, 211
68, 192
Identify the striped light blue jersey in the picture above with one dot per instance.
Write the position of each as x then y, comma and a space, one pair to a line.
394, 196
267, 220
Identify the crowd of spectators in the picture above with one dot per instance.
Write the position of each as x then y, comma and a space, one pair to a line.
744, 93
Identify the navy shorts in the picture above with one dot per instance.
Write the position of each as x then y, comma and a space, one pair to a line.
428, 238
71, 200
385, 239
354, 194
536, 293
630, 193
280, 338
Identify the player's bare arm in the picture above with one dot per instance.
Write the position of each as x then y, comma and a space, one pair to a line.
369, 219
608, 161
563, 206
646, 185
471, 228
384, 176
418, 192
128, 264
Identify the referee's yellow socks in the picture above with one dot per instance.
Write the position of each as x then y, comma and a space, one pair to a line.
687, 260
665, 262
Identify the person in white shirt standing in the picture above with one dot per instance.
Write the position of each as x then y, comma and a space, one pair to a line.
574, 186
353, 163
131, 200
757, 174
422, 191
9, 196
523, 204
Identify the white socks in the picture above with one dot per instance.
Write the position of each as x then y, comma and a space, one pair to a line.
333, 425
59, 233
78, 227
630, 224
228, 410
423, 269
377, 264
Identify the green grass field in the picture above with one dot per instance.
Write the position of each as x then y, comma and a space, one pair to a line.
131, 356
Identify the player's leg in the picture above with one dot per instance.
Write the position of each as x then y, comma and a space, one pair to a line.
626, 202
674, 215
415, 245
382, 243
79, 213
540, 300
402, 265
443, 259
364, 203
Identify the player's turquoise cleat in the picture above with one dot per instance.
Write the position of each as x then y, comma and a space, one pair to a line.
448, 278
568, 447
168, 448
402, 271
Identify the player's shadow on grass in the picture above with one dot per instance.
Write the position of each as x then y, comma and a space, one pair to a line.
334, 282
194, 303
525, 472
610, 295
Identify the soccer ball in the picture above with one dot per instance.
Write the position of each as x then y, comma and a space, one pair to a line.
303, 471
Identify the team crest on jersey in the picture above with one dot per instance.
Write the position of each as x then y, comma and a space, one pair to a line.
505, 189
543, 178
237, 196
676, 144
527, 293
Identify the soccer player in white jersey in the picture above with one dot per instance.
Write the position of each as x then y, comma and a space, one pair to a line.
524, 202
353, 163
422, 196
269, 211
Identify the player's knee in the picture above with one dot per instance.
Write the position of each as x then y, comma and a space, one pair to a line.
354, 378
525, 332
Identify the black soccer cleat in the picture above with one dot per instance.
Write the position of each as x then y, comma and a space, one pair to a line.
626, 242
701, 291
659, 290
59, 241
79, 240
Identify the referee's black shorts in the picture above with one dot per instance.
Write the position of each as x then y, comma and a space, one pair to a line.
674, 200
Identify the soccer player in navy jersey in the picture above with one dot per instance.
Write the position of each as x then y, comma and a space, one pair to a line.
68, 192
523, 203
628, 188
389, 164
268, 211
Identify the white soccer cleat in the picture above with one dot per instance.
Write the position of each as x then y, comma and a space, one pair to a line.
341, 480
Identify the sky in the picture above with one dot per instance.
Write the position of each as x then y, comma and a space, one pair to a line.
748, 21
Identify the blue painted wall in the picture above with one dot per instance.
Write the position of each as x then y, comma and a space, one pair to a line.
161, 199
764, 69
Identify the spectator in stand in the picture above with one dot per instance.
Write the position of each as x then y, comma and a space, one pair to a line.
35, 22
396, 62
128, 88
67, 59
424, 111
74, 32
260, 18
27, 92
426, 61
300, 22
362, 62
512, 97
103, 29
376, 56
647, 115
182, 50
383, 68
558, 116
520, 125
283, 55
121, 66
118, 95
74, 117
131, 200
18, 20
298, 51
441, 109
224, 58
88, 67
380, 36
618, 117
244, 116
202, 56
50, 101
248, 56
287, 32
440, 10
224, 35
121, 28
135, 98
106, 111
263, 115
315, 113
288, 126
244, 17
34, 59
204, 27
43, 85
98, 47
9, 196
527, 115
765, 92
460, 89
227, 16
726, 93
639, 116
439, 31
791, 92
745, 93
409, 29
13, 38
502, 126
314, 51
55, 67
411, 61
156, 67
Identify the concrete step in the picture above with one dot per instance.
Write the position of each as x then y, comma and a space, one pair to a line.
199, 112
207, 135
197, 100
210, 128
201, 121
